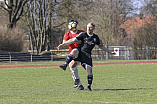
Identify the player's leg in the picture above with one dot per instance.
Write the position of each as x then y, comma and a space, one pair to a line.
86, 62
88, 66
74, 71
89, 76
70, 57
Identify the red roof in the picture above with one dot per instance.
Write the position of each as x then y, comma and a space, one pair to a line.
135, 23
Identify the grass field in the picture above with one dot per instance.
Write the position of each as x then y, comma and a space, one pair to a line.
112, 84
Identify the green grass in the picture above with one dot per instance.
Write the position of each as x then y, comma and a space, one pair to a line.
112, 84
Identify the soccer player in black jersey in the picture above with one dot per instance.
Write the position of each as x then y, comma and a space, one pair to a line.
83, 52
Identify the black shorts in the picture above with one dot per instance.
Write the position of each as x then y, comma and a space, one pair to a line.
84, 58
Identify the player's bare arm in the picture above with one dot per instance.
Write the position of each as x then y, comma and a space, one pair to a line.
70, 41
79, 41
64, 41
101, 46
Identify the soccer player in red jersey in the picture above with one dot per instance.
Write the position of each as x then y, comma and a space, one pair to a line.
73, 32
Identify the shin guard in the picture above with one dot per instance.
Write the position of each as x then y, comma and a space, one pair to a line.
90, 79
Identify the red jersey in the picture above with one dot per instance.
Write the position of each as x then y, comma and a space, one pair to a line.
70, 35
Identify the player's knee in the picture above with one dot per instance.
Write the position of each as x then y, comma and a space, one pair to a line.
74, 52
73, 64
89, 70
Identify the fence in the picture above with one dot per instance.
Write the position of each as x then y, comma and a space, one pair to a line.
126, 53
145, 52
26, 57
21, 57
123, 53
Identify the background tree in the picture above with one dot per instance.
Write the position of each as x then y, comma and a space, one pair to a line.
73, 9
15, 9
11, 40
109, 15
146, 37
46, 17
39, 20
149, 8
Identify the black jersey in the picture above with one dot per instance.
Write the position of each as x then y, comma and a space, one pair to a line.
88, 42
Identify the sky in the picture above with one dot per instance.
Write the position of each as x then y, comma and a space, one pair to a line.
138, 4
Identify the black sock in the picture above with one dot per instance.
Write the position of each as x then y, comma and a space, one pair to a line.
90, 79
69, 59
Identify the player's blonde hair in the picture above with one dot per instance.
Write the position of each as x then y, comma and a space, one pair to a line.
91, 23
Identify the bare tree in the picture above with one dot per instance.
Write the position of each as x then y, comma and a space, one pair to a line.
149, 8
73, 9
11, 40
45, 16
109, 15
15, 9
144, 37
39, 20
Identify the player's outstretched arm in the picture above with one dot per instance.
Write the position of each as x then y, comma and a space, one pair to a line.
104, 48
70, 41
